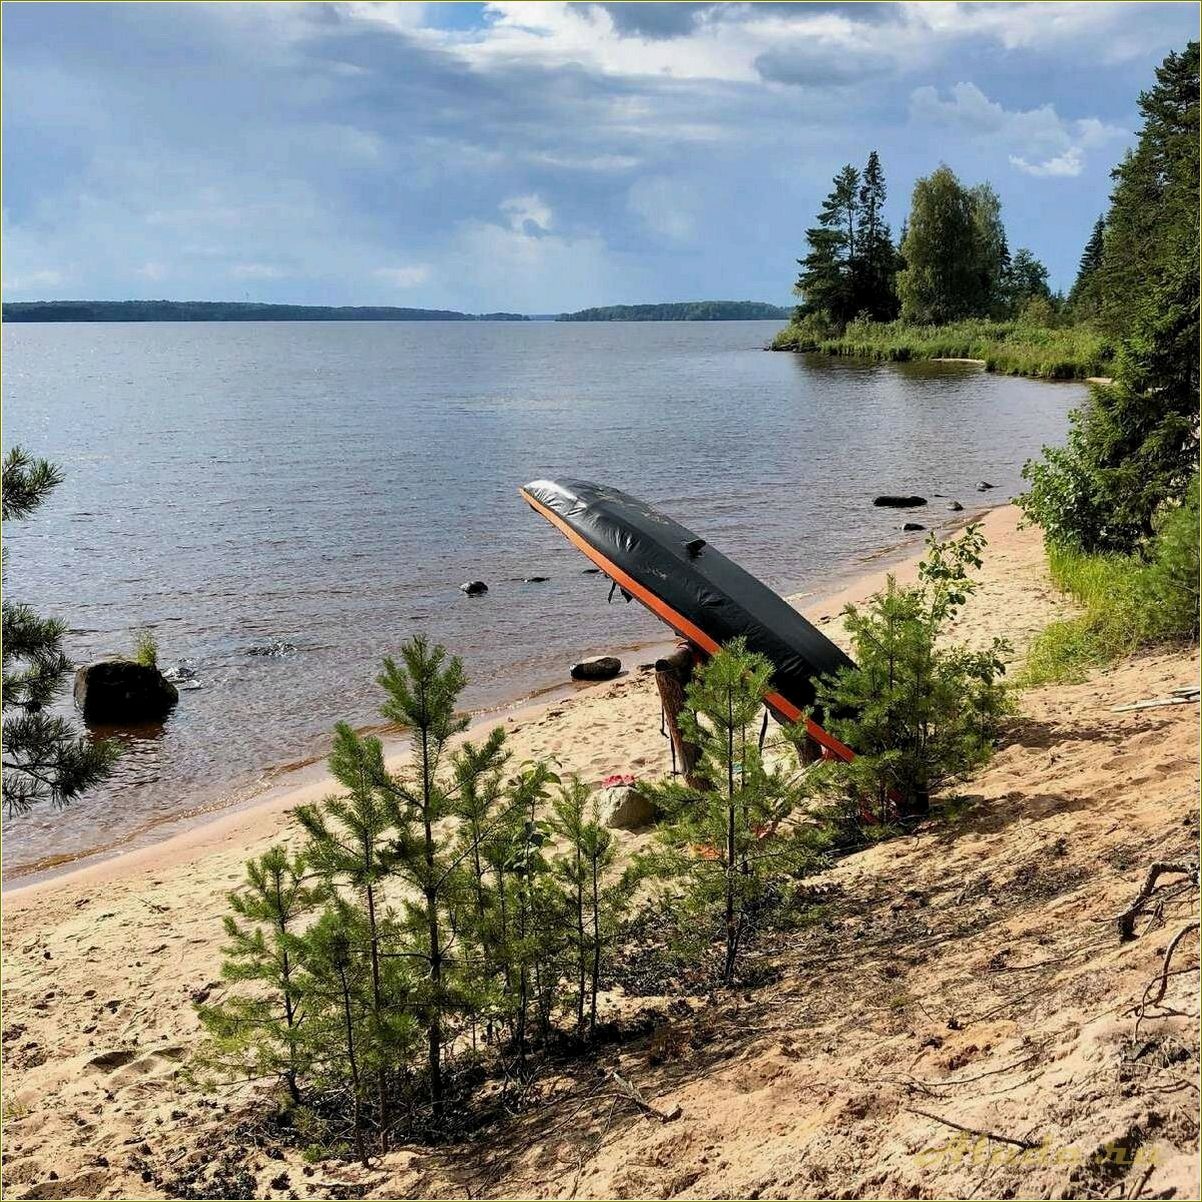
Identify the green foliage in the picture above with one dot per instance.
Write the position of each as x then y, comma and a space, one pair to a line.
724, 848
1085, 299
164, 310
681, 311
1128, 602
947, 270
146, 649
1017, 347
429, 921
851, 263
260, 1032
595, 904
45, 758
919, 714
1133, 447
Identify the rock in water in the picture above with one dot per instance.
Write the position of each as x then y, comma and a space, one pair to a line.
536, 579
985, 486
621, 807
115, 692
600, 667
913, 526
891, 502
955, 506
474, 588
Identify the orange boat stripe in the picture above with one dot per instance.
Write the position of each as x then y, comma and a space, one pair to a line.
679, 623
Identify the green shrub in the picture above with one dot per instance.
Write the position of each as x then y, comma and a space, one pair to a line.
1129, 602
726, 847
146, 649
917, 713
1031, 346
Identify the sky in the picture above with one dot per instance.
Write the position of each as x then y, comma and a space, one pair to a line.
534, 157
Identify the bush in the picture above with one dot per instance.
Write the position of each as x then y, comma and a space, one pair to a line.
1032, 346
1129, 602
146, 649
726, 847
919, 715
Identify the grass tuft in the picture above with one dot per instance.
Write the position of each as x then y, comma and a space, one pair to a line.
1015, 348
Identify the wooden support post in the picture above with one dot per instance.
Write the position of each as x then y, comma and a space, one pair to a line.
672, 675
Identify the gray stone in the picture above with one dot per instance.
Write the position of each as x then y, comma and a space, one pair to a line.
892, 502
115, 692
955, 506
624, 808
474, 588
913, 526
985, 486
600, 667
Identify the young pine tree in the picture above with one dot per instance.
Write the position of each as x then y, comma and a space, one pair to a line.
45, 758
422, 693
727, 845
917, 714
260, 1033
349, 842
335, 988
594, 903
531, 908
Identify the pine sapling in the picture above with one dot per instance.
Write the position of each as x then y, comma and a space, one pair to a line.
262, 1031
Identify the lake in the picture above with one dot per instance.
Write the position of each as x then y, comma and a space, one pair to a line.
320, 491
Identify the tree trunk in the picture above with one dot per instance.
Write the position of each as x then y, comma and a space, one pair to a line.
354, 1067
672, 674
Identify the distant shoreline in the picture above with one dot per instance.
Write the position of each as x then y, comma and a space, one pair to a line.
235, 311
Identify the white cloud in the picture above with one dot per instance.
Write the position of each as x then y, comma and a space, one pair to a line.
151, 271
1039, 141
1069, 163
255, 271
664, 206
32, 281
526, 212
404, 277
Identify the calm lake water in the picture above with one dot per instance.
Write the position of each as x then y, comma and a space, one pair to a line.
324, 489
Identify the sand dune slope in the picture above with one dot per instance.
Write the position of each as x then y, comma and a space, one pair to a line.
968, 974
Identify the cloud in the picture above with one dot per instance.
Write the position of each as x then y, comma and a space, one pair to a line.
404, 277
527, 214
152, 271
665, 207
1039, 141
1069, 163
256, 271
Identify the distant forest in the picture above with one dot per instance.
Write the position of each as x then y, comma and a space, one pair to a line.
229, 311
682, 311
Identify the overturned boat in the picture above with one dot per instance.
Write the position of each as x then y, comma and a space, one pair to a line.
704, 597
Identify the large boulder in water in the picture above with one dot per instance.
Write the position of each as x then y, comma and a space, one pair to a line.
897, 502
116, 692
600, 667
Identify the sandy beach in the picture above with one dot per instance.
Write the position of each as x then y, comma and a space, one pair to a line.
105, 961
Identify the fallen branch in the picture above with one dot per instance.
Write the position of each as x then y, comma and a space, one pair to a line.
993, 1135
1178, 697
629, 1092
1164, 970
1126, 920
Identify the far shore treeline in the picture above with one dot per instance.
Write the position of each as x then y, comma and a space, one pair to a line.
164, 310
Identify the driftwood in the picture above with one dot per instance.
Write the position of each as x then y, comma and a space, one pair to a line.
672, 674
628, 1091
993, 1135
1126, 920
